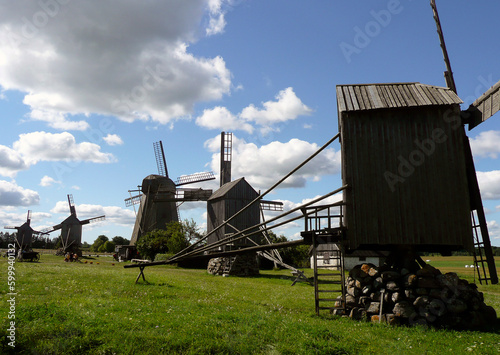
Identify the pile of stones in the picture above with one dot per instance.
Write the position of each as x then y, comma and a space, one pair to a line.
239, 265
419, 297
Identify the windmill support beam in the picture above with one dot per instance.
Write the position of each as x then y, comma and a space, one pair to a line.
258, 198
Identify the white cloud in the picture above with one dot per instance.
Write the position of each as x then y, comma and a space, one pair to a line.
43, 146
48, 181
113, 139
486, 144
221, 118
494, 231
489, 184
286, 107
13, 195
265, 165
127, 59
11, 162
75, 187
57, 120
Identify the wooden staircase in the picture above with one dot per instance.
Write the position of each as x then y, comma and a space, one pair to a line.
482, 251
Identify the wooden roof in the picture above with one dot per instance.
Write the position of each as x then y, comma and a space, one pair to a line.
227, 187
361, 97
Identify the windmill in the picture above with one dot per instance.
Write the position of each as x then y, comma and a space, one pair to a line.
479, 111
24, 235
71, 228
231, 197
160, 196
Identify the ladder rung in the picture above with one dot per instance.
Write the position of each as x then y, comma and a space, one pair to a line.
332, 274
331, 307
329, 291
327, 299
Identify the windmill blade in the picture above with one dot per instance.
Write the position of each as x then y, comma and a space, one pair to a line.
51, 229
93, 220
485, 106
185, 194
10, 227
71, 203
271, 205
193, 178
160, 158
134, 200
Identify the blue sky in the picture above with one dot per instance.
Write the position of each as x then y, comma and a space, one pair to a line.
87, 87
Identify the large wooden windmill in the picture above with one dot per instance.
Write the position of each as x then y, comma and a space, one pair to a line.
24, 235
408, 166
71, 228
160, 196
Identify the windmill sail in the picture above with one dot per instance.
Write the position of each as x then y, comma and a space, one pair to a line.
485, 106
160, 158
193, 178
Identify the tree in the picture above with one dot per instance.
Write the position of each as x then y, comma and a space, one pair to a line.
107, 247
177, 239
98, 242
118, 240
152, 243
297, 255
191, 231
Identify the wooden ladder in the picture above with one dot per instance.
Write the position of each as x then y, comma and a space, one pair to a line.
329, 282
480, 251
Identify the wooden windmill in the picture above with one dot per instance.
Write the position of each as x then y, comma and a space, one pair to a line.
230, 198
24, 235
408, 166
71, 228
160, 196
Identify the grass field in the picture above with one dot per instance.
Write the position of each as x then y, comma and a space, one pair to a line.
78, 308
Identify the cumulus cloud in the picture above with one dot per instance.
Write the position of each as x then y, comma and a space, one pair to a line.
494, 231
12, 194
286, 107
48, 181
43, 146
265, 165
11, 162
489, 184
221, 118
486, 144
127, 59
113, 139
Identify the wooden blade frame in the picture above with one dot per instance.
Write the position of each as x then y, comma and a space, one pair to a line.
161, 163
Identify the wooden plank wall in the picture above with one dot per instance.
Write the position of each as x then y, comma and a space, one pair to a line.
429, 207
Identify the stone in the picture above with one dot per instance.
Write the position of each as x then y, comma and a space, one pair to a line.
427, 282
392, 286
391, 319
364, 301
410, 280
390, 275
437, 293
450, 279
421, 291
358, 313
378, 283
437, 307
367, 290
353, 291
350, 301
428, 271
421, 301
373, 308
456, 306
397, 297
403, 309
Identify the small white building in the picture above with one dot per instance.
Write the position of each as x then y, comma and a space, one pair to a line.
327, 257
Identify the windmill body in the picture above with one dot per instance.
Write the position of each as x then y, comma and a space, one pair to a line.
24, 234
160, 197
229, 199
71, 228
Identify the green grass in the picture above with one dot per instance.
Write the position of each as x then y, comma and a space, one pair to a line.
97, 309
